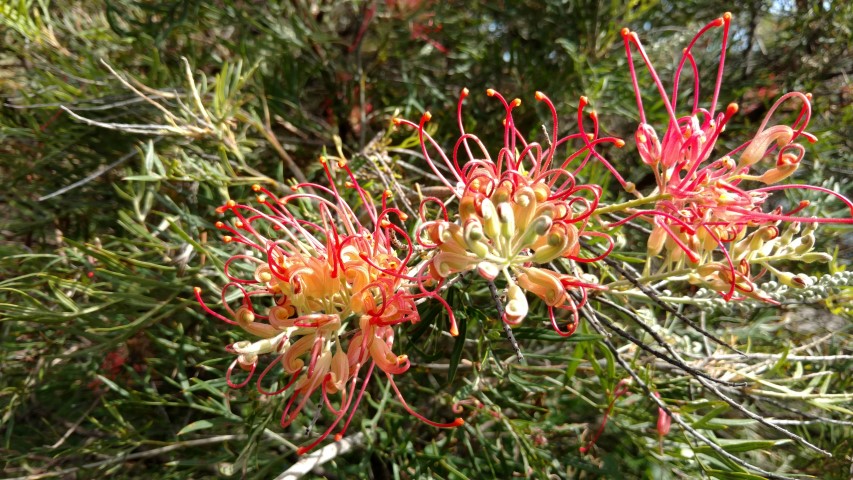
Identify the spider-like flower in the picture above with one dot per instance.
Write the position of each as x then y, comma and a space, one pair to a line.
517, 213
705, 200
323, 298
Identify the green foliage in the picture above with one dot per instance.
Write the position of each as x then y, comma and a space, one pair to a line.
126, 123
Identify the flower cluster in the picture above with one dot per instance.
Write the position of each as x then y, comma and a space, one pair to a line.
517, 213
705, 201
322, 294
313, 285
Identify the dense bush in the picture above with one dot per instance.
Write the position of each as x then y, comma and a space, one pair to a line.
126, 124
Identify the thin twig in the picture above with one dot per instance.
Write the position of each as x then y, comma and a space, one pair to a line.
591, 316
672, 361
507, 329
675, 360
653, 295
758, 418
779, 356
125, 457
706, 380
90, 177
816, 418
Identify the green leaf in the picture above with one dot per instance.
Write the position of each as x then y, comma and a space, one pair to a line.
740, 446
732, 475
195, 426
458, 347
703, 422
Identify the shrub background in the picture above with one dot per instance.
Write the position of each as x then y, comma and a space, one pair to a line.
103, 233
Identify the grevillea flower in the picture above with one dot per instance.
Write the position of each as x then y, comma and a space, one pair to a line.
703, 200
517, 212
323, 298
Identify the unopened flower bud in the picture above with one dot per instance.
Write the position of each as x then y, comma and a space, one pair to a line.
657, 239
516, 305
794, 281
488, 270
781, 134
806, 244
775, 175
507, 220
474, 238
491, 226
788, 234
819, 257
537, 228
809, 228
554, 247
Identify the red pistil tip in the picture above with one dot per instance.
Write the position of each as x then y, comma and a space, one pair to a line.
809, 95
539, 96
516, 102
732, 109
454, 331
464, 92
219, 225
349, 184
295, 187
301, 450
805, 203
727, 16
403, 217
197, 290
230, 203
584, 101
718, 22
322, 160
238, 224
396, 121
338, 437
427, 116
342, 163
227, 238
619, 143
490, 92
625, 32
256, 188
220, 210
261, 198
590, 136
593, 115
458, 422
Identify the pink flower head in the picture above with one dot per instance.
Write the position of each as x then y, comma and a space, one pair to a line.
706, 200
314, 284
517, 211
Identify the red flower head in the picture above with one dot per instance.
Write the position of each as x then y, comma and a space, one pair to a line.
315, 283
516, 212
705, 200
